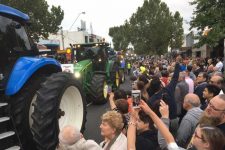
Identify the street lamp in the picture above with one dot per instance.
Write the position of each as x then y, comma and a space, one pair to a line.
76, 19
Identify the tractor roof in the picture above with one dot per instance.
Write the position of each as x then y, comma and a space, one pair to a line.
91, 44
13, 12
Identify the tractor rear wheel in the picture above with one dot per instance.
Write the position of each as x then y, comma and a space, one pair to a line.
98, 89
21, 108
60, 102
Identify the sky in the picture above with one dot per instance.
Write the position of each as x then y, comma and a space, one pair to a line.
104, 14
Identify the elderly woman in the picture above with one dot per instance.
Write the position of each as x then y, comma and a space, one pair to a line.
111, 129
70, 138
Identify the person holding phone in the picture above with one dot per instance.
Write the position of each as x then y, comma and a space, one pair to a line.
156, 90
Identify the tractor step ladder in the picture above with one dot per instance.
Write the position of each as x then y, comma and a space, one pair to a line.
8, 137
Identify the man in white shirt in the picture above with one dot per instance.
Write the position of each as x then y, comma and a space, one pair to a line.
219, 65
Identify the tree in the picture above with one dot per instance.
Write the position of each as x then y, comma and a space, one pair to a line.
209, 13
43, 19
176, 40
151, 29
152, 26
120, 36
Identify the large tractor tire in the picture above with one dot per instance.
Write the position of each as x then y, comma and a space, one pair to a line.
98, 89
114, 75
22, 107
60, 102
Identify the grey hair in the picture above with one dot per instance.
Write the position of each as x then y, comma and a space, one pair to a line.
193, 103
69, 135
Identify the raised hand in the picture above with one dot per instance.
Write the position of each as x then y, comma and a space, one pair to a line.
164, 109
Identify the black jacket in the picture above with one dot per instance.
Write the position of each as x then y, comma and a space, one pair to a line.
147, 140
199, 91
169, 90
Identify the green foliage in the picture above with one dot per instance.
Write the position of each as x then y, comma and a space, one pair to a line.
209, 13
177, 31
43, 20
120, 36
151, 29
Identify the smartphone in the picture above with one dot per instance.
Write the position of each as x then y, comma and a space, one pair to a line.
136, 98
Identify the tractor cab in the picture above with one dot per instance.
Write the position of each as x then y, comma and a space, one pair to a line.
97, 52
14, 42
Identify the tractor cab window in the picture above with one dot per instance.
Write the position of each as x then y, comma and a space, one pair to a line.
84, 53
13, 43
13, 37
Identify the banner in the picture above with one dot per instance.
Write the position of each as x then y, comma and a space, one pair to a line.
67, 68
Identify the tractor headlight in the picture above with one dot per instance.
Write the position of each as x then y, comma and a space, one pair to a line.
77, 74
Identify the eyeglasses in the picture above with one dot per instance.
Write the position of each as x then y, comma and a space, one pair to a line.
197, 136
214, 108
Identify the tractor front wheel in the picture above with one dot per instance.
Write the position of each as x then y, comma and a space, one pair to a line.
60, 102
21, 108
98, 89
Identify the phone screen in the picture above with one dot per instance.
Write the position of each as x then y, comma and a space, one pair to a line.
136, 97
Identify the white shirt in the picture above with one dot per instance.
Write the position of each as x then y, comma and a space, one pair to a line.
219, 66
190, 83
119, 144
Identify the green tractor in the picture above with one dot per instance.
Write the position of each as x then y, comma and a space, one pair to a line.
97, 70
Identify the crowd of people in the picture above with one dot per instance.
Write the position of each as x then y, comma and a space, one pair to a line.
182, 107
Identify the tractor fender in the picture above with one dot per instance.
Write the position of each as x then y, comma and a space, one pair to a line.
23, 69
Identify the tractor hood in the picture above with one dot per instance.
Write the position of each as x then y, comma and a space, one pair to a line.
81, 65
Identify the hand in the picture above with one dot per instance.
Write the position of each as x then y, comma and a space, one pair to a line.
134, 114
145, 107
111, 96
164, 109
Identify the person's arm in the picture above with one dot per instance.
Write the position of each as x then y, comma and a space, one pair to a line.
177, 96
161, 139
160, 125
171, 86
131, 132
111, 101
164, 111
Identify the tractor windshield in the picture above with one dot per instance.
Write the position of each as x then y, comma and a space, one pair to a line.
85, 53
14, 43
13, 37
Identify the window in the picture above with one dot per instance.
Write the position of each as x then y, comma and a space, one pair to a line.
13, 36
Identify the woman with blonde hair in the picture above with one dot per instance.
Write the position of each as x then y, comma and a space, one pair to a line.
111, 129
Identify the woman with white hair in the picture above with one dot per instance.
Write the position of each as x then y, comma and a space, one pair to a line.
111, 129
70, 138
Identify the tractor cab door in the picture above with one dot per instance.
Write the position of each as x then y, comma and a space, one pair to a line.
14, 43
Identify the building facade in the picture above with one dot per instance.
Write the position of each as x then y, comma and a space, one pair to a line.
66, 38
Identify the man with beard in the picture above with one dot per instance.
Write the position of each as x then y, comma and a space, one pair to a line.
216, 111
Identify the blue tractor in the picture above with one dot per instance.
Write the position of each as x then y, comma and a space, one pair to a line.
36, 98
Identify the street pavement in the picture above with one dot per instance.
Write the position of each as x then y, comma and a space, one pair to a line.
94, 113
